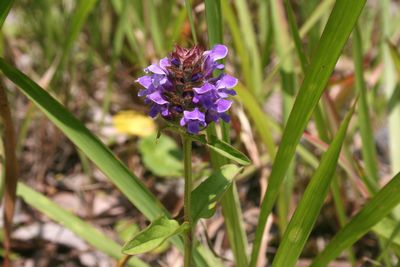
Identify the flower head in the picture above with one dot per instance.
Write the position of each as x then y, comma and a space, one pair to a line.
182, 89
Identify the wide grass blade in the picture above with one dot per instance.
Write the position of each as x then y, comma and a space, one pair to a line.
339, 26
90, 234
5, 6
307, 211
373, 212
89, 144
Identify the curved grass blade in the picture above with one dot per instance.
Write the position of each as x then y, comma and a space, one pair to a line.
5, 6
96, 151
339, 26
307, 211
90, 234
373, 212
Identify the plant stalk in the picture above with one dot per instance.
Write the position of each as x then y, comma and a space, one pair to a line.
188, 240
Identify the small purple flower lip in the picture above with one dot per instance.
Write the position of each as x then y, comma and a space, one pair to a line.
182, 89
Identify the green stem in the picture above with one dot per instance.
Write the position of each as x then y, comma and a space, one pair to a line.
187, 150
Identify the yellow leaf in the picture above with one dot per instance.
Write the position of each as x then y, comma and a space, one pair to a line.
134, 123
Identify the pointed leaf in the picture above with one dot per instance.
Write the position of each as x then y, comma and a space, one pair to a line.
307, 211
153, 236
373, 212
209, 192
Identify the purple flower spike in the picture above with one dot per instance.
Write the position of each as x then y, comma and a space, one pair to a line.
182, 89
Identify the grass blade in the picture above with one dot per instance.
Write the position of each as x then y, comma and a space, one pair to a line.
5, 7
373, 212
75, 224
307, 211
339, 26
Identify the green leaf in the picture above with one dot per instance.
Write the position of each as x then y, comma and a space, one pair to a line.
5, 6
337, 30
375, 210
307, 211
209, 192
153, 236
90, 234
161, 156
222, 148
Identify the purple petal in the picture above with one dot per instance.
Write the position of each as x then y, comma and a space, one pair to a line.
193, 127
224, 93
227, 81
158, 79
223, 105
155, 69
143, 93
225, 117
182, 122
157, 98
204, 89
219, 51
212, 115
164, 63
165, 112
195, 114
144, 81
220, 66
154, 111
